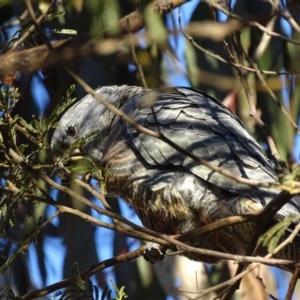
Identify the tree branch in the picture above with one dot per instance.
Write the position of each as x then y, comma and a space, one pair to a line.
33, 59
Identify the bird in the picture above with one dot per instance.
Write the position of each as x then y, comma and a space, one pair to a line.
170, 191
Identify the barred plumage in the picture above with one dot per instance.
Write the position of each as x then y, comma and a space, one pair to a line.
170, 192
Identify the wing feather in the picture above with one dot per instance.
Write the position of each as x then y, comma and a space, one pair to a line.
204, 126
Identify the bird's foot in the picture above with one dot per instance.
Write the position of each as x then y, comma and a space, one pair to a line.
63, 174
154, 252
164, 6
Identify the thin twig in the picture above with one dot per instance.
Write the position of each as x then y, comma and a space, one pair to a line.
260, 280
265, 40
143, 233
36, 23
285, 14
85, 275
31, 28
144, 82
292, 284
273, 97
250, 269
252, 23
253, 112
149, 132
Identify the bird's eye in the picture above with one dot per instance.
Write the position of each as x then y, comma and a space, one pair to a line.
71, 131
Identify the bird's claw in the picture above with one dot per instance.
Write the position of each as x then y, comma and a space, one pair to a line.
164, 6
154, 252
64, 175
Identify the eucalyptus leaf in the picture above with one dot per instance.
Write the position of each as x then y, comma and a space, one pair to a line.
155, 26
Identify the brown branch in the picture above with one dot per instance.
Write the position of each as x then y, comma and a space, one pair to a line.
292, 284
37, 24
36, 58
113, 261
187, 236
251, 23
31, 28
160, 136
85, 275
186, 248
33, 59
241, 258
229, 221
273, 97
217, 225
233, 280
149, 234
139, 252
260, 280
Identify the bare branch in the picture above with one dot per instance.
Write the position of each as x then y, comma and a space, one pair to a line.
157, 135
36, 58
292, 284
94, 269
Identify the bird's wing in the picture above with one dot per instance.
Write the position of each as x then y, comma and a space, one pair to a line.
203, 126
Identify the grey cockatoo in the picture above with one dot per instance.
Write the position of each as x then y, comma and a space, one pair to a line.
170, 192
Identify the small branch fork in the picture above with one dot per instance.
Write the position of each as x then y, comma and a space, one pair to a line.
36, 58
128, 26
160, 136
130, 229
240, 53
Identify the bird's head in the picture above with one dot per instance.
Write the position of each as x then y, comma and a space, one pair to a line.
90, 121
86, 121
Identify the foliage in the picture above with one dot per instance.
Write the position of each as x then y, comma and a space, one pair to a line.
245, 61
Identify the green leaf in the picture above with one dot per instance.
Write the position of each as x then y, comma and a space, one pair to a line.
191, 60
76, 277
65, 31
39, 124
120, 292
61, 106
22, 148
82, 141
28, 126
271, 238
155, 26
110, 15
82, 167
